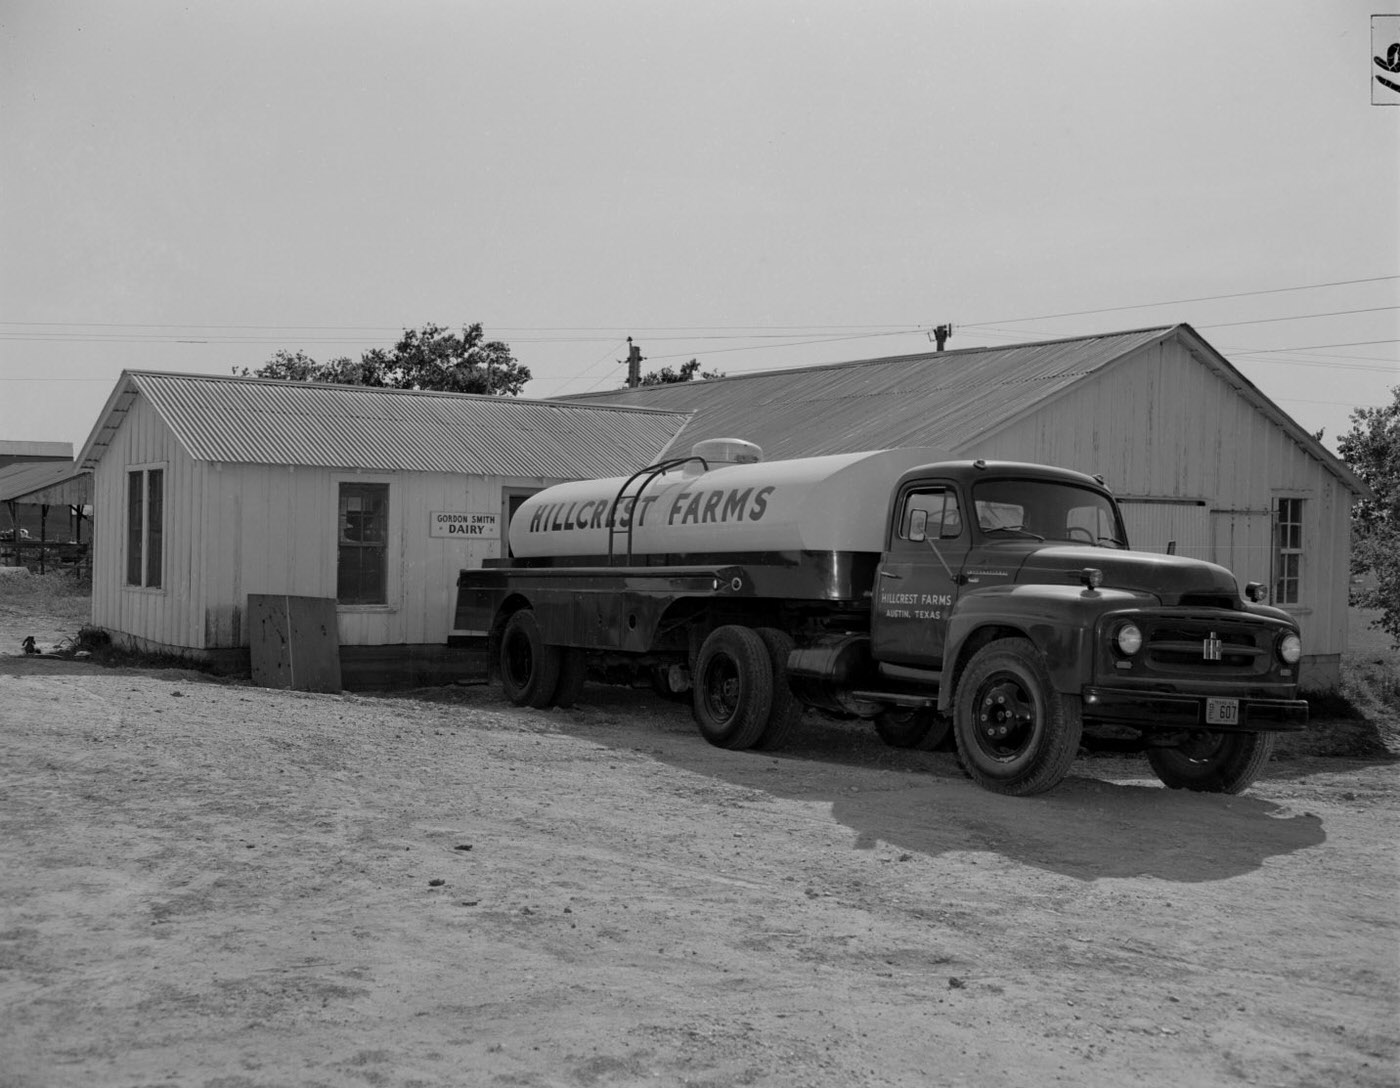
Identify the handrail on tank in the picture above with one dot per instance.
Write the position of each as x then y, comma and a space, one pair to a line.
651, 472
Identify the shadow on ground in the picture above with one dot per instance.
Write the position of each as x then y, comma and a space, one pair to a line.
1109, 818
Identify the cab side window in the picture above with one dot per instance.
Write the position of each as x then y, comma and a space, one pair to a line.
930, 514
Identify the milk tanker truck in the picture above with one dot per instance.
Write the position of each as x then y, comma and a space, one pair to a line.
993, 603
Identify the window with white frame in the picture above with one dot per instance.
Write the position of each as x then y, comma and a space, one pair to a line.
145, 527
1288, 550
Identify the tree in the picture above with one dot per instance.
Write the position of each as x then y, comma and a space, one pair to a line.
429, 358
1372, 449
667, 376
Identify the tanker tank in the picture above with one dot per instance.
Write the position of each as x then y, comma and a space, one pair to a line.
833, 503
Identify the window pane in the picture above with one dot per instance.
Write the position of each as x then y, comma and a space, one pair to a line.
1286, 590
362, 558
134, 523
155, 512
1288, 551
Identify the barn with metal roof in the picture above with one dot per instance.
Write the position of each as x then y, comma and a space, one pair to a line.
212, 489
1203, 462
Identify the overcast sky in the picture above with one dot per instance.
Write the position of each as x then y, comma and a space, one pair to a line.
760, 185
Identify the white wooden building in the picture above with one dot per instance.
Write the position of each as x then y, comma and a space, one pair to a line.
1202, 461
209, 489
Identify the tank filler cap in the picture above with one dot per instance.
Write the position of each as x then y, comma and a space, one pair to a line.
727, 451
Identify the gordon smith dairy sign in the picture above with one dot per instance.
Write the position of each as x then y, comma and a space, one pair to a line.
465, 526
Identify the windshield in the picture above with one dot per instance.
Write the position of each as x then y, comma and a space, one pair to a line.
1047, 510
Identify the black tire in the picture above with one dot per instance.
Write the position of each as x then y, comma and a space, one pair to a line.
573, 673
529, 668
917, 727
786, 712
733, 682
1015, 733
1213, 762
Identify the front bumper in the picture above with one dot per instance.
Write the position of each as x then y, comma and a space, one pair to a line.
1159, 710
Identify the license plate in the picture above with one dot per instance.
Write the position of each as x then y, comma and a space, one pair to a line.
1222, 712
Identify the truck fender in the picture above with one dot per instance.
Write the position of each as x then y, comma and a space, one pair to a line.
1059, 620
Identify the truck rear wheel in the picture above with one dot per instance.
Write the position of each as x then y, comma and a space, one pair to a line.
529, 668
733, 687
1213, 762
919, 727
1016, 734
787, 711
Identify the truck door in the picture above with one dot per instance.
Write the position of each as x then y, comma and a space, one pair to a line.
919, 574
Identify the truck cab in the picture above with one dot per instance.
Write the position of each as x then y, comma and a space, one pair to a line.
1156, 652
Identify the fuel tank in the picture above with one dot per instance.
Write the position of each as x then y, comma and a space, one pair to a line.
836, 503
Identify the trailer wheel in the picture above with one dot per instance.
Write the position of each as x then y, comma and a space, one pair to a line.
916, 727
787, 711
1213, 762
573, 672
1015, 733
529, 668
733, 687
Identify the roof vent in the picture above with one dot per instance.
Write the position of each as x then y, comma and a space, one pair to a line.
719, 452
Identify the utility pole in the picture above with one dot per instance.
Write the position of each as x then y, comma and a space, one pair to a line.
941, 334
634, 364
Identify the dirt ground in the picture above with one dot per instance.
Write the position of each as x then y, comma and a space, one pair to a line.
207, 883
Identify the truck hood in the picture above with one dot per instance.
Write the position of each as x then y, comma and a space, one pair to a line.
1172, 579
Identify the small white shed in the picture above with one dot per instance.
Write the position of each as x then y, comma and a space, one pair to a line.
209, 489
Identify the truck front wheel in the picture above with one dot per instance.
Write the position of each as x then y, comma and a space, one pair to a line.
1213, 762
733, 685
1015, 733
529, 668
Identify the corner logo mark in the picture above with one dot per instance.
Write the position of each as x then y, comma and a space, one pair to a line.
1385, 40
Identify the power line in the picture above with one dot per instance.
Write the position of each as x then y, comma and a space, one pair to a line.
335, 333
1180, 301
1297, 317
1305, 347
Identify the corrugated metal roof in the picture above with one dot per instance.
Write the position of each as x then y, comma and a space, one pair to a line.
948, 398
45, 451
261, 421
46, 482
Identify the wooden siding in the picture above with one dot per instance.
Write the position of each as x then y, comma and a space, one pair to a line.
1156, 526
232, 530
163, 616
272, 529
1162, 424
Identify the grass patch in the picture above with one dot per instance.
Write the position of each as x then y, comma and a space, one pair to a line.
57, 594
1360, 718
96, 645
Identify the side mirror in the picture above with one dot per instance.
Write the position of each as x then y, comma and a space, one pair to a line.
918, 525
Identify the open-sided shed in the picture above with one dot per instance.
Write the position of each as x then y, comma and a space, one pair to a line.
47, 506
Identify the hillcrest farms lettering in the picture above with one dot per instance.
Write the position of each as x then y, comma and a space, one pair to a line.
697, 507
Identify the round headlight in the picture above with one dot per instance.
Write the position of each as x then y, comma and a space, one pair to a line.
1290, 649
1129, 639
